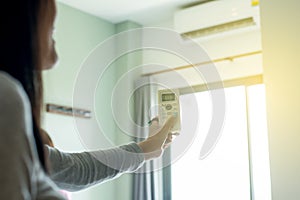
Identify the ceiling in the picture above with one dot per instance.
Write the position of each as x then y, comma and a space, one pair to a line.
140, 11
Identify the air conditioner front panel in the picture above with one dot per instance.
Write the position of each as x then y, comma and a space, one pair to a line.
213, 14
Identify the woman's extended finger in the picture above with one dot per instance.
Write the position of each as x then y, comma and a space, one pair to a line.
155, 119
154, 126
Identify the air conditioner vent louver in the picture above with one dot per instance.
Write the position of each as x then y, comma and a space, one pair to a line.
217, 19
234, 25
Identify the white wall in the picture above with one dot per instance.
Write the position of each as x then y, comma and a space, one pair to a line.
281, 52
76, 35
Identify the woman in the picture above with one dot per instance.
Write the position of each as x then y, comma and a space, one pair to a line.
26, 49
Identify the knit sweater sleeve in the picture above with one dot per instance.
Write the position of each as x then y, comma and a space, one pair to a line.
77, 171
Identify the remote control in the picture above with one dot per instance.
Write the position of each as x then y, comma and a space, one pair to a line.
168, 101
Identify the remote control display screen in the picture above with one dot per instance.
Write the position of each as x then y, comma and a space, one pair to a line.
168, 97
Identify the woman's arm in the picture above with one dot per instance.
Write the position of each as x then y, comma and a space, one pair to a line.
77, 171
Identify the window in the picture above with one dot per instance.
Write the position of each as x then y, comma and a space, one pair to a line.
238, 166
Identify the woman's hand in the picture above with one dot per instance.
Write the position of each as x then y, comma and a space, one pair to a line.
160, 138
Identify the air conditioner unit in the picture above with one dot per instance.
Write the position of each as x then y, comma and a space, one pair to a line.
217, 18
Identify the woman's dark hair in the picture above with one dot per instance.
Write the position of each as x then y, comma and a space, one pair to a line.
19, 56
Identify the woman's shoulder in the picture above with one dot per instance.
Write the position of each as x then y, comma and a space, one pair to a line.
11, 91
9, 84
15, 110
14, 103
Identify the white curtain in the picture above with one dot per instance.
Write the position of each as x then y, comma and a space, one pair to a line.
151, 182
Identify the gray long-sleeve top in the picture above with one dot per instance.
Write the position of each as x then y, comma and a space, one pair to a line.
21, 176
77, 171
